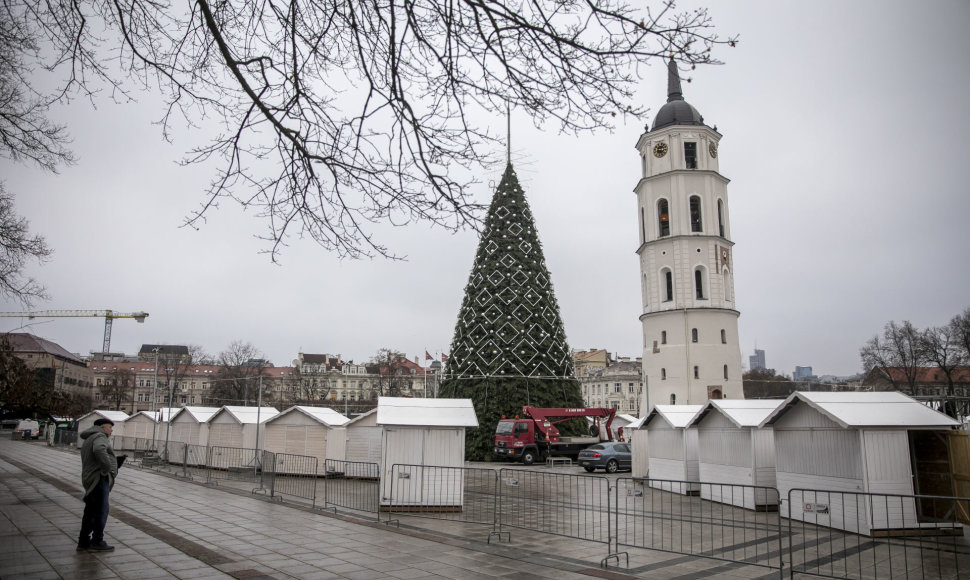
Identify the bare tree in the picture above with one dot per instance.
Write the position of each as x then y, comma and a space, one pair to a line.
390, 375
236, 382
899, 348
199, 355
117, 386
941, 346
961, 330
17, 247
339, 115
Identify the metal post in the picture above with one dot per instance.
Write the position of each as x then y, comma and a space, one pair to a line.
168, 424
155, 396
259, 407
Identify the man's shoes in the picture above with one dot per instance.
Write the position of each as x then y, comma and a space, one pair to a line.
101, 546
83, 546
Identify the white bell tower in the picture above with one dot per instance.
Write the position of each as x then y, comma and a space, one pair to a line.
690, 322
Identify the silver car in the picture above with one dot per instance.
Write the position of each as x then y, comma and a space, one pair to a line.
610, 456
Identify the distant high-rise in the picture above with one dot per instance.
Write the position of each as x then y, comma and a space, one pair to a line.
757, 360
803, 374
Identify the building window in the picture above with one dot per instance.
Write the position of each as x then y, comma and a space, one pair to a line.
673, 399
690, 154
697, 372
646, 292
720, 217
663, 216
727, 285
617, 388
663, 374
699, 283
663, 337
696, 225
668, 286
693, 335
723, 337
725, 373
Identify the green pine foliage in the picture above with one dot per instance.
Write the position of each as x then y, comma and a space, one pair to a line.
509, 348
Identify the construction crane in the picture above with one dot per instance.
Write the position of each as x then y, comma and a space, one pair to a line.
108, 315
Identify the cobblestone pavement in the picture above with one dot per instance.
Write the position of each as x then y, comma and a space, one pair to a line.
164, 527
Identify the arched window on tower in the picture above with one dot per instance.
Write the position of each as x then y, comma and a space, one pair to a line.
697, 372
663, 217
699, 283
693, 335
727, 284
673, 399
668, 285
663, 337
695, 214
725, 373
663, 374
646, 292
723, 336
720, 217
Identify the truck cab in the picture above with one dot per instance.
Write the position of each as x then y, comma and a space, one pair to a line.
516, 439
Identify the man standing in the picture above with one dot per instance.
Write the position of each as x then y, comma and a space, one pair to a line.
99, 466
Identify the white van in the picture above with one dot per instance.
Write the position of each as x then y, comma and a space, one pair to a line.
27, 429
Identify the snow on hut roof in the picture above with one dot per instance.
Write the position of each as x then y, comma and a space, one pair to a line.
741, 412
247, 415
429, 412
362, 416
865, 409
678, 416
637, 424
626, 419
324, 415
152, 416
115, 416
200, 414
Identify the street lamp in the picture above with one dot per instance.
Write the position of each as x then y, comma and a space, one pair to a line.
155, 396
168, 424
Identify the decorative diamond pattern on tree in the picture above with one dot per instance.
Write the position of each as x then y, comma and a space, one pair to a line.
509, 347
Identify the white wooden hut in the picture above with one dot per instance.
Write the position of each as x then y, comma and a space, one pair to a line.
861, 443
415, 432
672, 453
140, 429
733, 450
638, 445
190, 425
86, 421
239, 427
310, 431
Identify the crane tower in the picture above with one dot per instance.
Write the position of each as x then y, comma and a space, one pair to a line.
108, 315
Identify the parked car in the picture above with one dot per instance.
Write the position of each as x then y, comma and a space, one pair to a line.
27, 429
612, 457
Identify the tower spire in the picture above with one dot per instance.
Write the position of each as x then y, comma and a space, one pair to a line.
674, 92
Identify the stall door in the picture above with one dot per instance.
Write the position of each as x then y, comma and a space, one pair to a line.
930, 456
403, 448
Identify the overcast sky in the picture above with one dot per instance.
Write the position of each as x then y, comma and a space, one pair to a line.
845, 139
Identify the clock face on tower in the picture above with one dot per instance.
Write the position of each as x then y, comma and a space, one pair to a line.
712, 149
659, 150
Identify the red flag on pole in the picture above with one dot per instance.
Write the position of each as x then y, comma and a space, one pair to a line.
444, 357
427, 355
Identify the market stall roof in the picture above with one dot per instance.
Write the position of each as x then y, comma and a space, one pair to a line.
115, 416
247, 415
324, 415
427, 412
200, 414
865, 409
678, 416
741, 412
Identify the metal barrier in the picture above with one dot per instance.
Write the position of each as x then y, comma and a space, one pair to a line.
353, 485
233, 464
458, 494
292, 475
840, 534
574, 506
660, 515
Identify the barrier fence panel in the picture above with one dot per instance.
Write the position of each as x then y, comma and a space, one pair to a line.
195, 462
661, 515
575, 506
458, 494
293, 476
233, 464
839, 534
353, 485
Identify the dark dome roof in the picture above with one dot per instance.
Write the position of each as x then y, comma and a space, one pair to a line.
676, 111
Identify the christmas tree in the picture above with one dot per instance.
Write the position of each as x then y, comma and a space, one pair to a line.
509, 347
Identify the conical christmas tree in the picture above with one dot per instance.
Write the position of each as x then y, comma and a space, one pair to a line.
509, 347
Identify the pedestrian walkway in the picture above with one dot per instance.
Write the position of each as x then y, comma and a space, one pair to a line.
163, 527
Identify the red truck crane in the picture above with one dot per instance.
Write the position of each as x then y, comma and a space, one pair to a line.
535, 436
